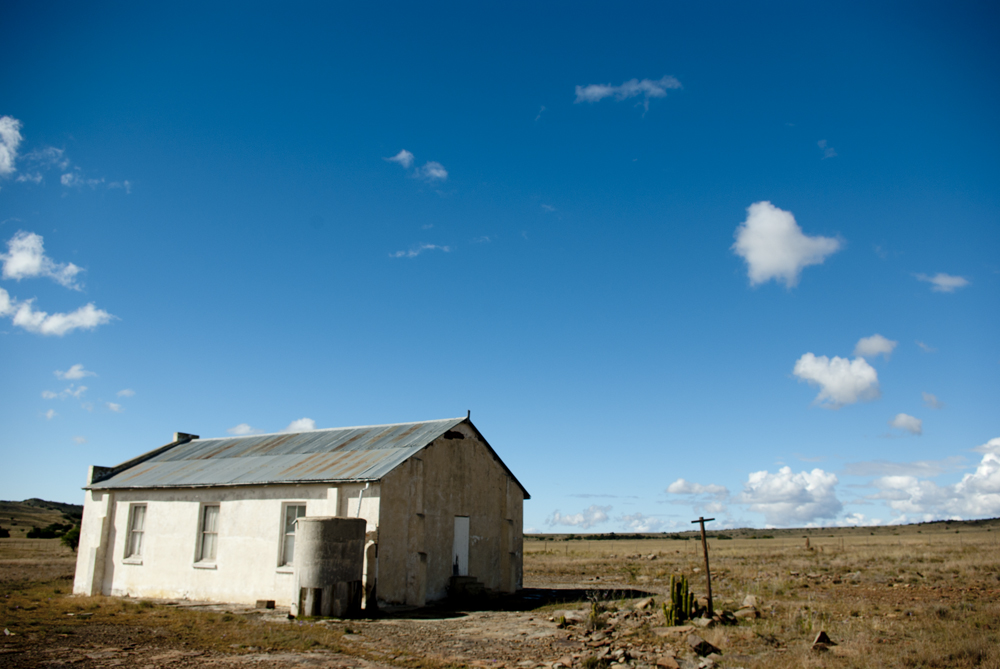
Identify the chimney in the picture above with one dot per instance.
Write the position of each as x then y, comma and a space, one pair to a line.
184, 436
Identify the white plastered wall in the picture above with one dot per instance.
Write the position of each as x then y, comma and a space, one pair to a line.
250, 528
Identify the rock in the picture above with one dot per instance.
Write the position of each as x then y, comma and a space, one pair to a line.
667, 662
566, 660
700, 646
749, 602
704, 622
644, 603
822, 642
670, 631
747, 613
652, 556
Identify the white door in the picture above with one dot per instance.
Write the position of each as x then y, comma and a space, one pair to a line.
460, 552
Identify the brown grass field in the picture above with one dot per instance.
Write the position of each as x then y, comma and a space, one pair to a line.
909, 597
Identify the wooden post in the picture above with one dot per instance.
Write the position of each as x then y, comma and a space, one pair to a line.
708, 573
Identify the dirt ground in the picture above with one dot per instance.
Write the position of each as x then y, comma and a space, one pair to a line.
905, 599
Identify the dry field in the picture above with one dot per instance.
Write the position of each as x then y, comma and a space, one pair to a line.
921, 598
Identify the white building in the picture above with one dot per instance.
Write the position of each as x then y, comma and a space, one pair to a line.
214, 519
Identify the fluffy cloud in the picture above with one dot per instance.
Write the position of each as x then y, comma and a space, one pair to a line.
50, 414
418, 249
117, 408
932, 401
26, 258
870, 347
787, 498
244, 429
976, 495
432, 172
592, 515
857, 520
403, 158
75, 372
773, 246
636, 522
908, 423
944, 283
79, 440
10, 139
647, 88
841, 381
991, 446
86, 317
128, 392
301, 425
72, 390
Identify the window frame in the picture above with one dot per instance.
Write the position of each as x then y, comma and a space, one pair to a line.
283, 534
131, 555
201, 561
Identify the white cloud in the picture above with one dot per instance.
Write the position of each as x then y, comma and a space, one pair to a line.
857, 520
417, 250
244, 429
991, 446
74, 180
870, 347
117, 408
925, 348
548, 208
944, 283
79, 440
403, 158
48, 157
75, 372
932, 401
301, 425
828, 151
26, 259
647, 88
40, 322
841, 381
976, 495
636, 522
72, 390
432, 171
773, 246
10, 139
592, 515
908, 423
787, 498
30, 177
128, 392
540, 111
125, 185
50, 414
682, 487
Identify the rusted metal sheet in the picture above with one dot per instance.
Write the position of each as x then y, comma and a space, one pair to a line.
364, 453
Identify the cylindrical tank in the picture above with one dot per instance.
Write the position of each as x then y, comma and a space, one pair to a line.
329, 561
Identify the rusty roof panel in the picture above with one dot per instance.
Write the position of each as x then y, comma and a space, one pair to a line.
364, 453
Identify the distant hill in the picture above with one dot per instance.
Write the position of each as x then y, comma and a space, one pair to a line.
19, 517
982, 525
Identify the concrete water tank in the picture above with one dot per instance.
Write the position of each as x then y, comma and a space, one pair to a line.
329, 560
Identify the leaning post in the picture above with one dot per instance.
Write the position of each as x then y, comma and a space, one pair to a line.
708, 572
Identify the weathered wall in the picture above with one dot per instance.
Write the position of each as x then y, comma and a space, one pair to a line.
249, 539
420, 499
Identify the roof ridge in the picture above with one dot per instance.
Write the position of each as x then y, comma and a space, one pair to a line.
331, 429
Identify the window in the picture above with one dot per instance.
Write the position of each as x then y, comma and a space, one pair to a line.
292, 513
136, 530
209, 537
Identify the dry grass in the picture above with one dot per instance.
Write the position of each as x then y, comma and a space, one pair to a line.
899, 599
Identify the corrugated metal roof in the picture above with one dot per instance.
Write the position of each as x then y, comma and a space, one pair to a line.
365, 453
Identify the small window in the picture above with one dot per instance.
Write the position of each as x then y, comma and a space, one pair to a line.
209, 533
292, 513
136, 530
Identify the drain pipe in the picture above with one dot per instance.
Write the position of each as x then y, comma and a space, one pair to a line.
361, 498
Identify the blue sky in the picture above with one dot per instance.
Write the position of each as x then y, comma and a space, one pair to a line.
679, 260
